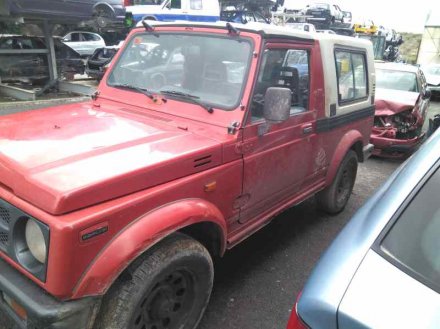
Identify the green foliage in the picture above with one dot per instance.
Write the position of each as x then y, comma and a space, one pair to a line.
410, 47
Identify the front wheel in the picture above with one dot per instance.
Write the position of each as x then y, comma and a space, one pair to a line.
334, 198
166, 288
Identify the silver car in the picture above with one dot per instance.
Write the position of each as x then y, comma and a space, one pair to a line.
85, 43
383, 270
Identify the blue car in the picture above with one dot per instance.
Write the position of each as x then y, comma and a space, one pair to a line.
383, 270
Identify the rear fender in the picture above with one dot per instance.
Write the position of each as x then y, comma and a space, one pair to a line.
139, 236
346, 143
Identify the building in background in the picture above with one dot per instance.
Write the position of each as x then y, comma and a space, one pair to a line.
429, 52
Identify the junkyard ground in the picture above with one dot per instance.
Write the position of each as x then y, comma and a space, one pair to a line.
256, 283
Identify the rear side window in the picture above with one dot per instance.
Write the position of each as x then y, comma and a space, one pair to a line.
351, 71
413, 242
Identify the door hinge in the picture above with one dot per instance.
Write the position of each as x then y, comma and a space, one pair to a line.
244, 147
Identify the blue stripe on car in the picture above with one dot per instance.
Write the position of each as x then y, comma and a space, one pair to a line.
176, 17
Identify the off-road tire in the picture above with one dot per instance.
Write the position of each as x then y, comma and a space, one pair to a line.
167, 287
334, 198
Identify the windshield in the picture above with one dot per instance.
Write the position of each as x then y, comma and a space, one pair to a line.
208, 68
397, 80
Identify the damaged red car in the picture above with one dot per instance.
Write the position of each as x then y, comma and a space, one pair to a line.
402, 100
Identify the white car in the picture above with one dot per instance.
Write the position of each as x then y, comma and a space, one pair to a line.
85, 43
432, 75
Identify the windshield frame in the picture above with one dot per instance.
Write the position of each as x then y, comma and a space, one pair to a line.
244, 83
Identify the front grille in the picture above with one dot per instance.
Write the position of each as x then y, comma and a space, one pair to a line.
4, 239
5, 216
9, 215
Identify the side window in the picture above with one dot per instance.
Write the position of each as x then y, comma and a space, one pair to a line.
176, 4
413, 243
287, 68
68, 38
75, 37
351, 71
196, 4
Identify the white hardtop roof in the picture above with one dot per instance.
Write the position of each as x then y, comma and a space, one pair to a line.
267, 29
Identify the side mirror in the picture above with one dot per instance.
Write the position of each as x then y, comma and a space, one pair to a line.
277, 102
426, 93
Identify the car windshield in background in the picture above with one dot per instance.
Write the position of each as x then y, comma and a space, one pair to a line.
435, 70
209, 68
397, 80
413, 241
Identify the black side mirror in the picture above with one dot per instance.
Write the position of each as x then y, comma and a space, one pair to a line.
277, 102
426, 93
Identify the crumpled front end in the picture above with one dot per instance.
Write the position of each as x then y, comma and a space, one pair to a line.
397, 129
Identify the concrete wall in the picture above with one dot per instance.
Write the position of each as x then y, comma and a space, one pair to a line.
429, 52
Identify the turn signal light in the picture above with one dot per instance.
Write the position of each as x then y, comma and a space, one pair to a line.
17, 308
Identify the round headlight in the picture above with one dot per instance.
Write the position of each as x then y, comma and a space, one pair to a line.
35, 241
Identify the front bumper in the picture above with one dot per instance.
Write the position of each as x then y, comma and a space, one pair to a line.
42, 310
387, 146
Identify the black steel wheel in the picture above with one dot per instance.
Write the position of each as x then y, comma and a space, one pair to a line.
334, 198
170, 301
166, 288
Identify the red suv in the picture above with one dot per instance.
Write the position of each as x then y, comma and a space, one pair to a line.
111, 210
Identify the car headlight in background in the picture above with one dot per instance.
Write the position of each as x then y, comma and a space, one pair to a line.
36, 241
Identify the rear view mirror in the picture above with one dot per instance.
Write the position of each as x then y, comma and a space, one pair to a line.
277, 102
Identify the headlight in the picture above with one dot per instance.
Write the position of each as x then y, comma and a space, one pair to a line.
36, 241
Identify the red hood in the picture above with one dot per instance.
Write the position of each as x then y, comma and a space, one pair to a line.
65, 158
390, 102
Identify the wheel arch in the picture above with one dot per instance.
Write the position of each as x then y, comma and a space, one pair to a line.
103, 5
352, 140
190, 216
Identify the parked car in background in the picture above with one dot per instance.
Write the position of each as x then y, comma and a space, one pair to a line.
402, 100
347, 16
102, 11
322, 12
432, 75
85, 43
173, 10
383, 269
243, 16
98, 63
33, 68
307, 27
366, 26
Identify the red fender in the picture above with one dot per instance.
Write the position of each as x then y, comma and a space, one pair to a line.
347, 141
140, 235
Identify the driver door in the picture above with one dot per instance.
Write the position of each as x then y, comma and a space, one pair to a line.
279, 163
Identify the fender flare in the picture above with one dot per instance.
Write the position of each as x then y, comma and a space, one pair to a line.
345, 144
139, 236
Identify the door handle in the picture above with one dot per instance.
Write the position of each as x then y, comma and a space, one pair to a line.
307, 128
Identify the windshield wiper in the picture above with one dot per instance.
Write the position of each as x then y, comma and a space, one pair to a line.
144, 91
191, 98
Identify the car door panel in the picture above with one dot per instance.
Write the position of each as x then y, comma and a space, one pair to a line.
279, 163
